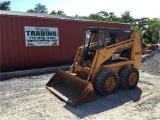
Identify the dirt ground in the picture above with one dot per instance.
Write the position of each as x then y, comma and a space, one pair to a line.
27, 98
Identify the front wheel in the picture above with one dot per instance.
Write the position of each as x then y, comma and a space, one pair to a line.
106, 82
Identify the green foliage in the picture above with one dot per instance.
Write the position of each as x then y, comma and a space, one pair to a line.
38, 9
148, 28
137, 29
5, 5
30, 11
53, 12
112, 16
153, 29
85, 17
76, 15
59, 12
126, 16
102, 14
118, 19
95, 17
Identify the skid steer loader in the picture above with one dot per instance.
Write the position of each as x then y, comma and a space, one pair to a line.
108, 58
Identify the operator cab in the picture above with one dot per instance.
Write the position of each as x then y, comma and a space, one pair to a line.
98, 38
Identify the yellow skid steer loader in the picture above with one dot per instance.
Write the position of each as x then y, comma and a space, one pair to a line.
109, 58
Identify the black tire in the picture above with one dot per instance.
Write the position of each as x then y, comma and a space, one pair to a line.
100, 83
129, 77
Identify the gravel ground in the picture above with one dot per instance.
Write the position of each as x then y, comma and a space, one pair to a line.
152, 65
27, 98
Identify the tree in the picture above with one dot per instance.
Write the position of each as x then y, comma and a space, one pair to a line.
137, 29
152, 30
127, 17
103, 14
95, 17
118, 19
148, 28
53, 12
76, 15
140, 25
38, 9
147, 36
60, 12
85, 17
143, 23
30, 11
111, 16
5, 5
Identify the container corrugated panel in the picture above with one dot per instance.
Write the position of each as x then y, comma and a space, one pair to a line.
14, 53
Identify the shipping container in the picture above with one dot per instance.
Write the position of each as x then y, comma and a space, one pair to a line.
14, 53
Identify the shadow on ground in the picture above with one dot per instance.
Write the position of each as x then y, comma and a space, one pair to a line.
106, 103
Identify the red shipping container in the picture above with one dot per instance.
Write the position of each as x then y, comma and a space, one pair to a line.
15, 54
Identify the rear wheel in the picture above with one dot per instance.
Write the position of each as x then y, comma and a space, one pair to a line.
106, 82
129, 77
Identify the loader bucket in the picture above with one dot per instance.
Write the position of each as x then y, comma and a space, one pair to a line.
70, 88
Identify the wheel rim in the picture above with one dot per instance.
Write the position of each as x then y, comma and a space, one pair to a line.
132, 78
110, 84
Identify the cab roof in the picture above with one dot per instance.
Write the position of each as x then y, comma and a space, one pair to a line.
110, 30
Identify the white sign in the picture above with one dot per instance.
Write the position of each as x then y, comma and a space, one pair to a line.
41, 36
